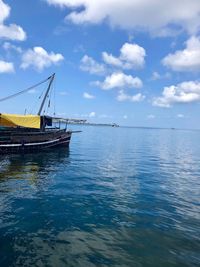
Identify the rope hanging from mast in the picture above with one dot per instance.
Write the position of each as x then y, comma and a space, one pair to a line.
46, 94
25, 90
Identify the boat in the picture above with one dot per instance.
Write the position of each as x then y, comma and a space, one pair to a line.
31, 133
115, 125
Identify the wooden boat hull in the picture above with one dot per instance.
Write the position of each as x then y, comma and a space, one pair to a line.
41, 141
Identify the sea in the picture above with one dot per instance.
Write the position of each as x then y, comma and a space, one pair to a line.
117, 197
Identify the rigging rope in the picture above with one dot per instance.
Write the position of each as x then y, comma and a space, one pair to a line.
33, 108
24, 91
54, 97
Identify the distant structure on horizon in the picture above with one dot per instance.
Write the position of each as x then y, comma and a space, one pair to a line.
83, 122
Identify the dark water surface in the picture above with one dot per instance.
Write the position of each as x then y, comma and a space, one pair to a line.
118, 197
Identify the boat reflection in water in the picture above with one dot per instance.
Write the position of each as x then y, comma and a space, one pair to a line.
31, 167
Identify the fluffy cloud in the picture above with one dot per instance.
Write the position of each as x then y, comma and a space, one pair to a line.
151, 117
122, 96
131, 56
180, 116
6, 67
12, 31
88, 115
134, 14
184, 92
63, 93
8, 46
88, 96
39, 58
32, 91
90, 65
120, 80
187, 59
111, 60
157, 76
92, 114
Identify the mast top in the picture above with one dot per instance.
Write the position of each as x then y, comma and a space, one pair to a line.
51, 78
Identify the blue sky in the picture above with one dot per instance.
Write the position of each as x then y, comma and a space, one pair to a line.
132, 62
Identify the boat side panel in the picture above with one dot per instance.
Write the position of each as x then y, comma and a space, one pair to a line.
24, 147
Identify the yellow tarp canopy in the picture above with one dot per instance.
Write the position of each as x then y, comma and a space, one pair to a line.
15, 120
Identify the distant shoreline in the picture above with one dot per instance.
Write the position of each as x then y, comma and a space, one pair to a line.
131, 127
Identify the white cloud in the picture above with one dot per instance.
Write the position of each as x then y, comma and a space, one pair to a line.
79, 49
185, 92
95, 83
92, 114
122, 96
88, 64
151, 117
125, 117
39, 58
111, 60
157, 76
89, 115
88, 96
180, 116
12, 31
6, 67
155, 16
187, 59
8, 46
131, 56
63, 93
119, 80
32, 91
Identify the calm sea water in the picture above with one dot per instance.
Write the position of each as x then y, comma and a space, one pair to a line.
117, 197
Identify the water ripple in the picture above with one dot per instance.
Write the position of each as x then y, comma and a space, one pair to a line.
118, 197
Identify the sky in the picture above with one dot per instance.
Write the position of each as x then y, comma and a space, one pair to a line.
130, 62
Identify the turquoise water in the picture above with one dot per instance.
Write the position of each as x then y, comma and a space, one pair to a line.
117, 197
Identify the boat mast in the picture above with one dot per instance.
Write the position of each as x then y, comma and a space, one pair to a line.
46, 94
